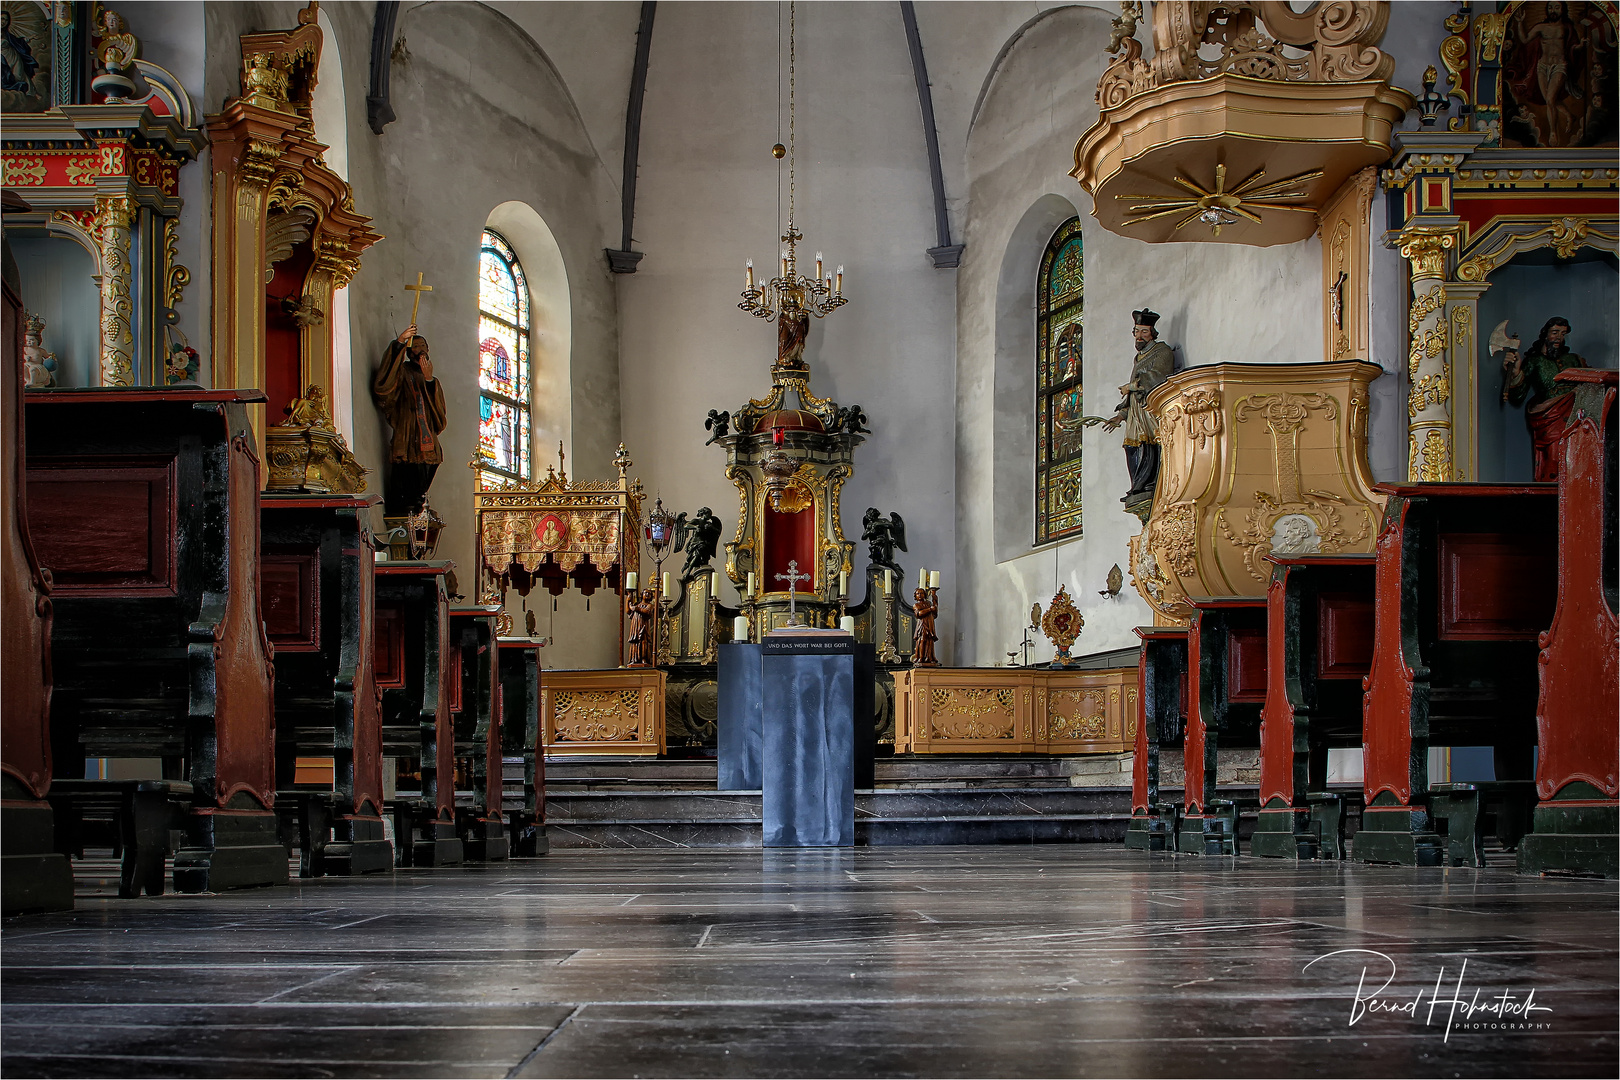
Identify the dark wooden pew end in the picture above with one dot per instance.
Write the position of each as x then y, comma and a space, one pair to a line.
1461, 810
135, 816
483, 837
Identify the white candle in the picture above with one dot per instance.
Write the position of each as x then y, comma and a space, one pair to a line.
784, 264
665, 583
750, 583
933, 579
631, 580
840, 289
888, 582
750, 275
922, 578
818, 266
843, 583
739, 628
847, 624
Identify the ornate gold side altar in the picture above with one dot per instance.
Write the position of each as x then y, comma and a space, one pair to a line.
1014, 711
584, 534
1256, 458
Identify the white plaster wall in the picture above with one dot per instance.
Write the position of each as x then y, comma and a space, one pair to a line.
708, 200
1219, 303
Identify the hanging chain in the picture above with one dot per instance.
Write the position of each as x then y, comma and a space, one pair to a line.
792, 58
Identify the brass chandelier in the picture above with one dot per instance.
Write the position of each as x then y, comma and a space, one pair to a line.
791, 293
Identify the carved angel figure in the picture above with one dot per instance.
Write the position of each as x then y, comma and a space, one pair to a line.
719, 422
882, 537
700, 536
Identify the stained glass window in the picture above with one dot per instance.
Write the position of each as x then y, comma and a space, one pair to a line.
1059, 394
503, 362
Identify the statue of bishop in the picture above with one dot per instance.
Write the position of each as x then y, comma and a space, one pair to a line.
412, 401
1155, 362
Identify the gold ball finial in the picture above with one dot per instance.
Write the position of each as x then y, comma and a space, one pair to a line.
778, 151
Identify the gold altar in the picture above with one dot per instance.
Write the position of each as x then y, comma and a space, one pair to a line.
1014, 711
1256, 458
602, 712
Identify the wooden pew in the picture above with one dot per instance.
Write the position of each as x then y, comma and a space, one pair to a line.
318, 598
520, 736
1161, 722
34, 876
413, 671
1465, 579
1319, 613
132, 816
1226, 661
476, 712
1578, 819
144, 503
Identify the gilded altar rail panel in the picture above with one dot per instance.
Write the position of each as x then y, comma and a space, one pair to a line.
1014, 711
614, 711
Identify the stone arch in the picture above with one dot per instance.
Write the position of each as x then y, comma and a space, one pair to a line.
1014, 429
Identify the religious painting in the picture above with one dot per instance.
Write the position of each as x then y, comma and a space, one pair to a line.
551, 531
1059, 393
1557, 83
503, 362
25, 56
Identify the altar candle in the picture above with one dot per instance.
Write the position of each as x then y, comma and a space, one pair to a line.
750, 583
888, 582
739, 628
922, 578
843, 583
933, 579
665, 583
631, 580
847, 624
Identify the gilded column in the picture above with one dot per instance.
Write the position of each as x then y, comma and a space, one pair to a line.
114, 215
1462, 313
1428, 365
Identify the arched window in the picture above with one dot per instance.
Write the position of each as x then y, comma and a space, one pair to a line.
503, 362
1060, 306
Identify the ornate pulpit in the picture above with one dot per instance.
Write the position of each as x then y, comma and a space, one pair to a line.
1256, 459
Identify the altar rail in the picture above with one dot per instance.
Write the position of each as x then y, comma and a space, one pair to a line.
1014, 711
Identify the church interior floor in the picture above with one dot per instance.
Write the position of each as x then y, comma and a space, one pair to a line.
1057, 960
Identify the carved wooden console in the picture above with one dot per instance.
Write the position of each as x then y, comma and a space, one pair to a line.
318, 596
1579, 817
1319, 640
1161, 721
1465, 580
602, 712
1226, 666
475, 709
1256, 459
1014, 711
520, 737
145, 504
413, 673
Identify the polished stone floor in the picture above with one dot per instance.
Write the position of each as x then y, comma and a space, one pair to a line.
1062, 960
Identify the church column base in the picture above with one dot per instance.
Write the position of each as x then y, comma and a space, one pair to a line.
33, 877
484, 839
230, 850
1573, 837
365, 848
1397, 834
1284, 832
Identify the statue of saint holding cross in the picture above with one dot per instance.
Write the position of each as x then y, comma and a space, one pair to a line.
413, 402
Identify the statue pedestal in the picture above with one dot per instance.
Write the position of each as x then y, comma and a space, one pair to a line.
808, 739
